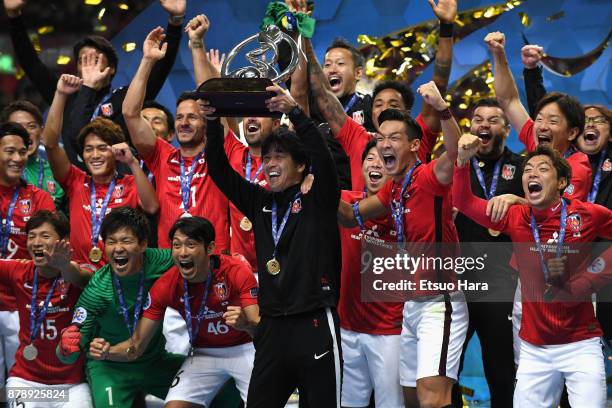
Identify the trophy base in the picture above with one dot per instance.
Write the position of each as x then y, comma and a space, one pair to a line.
237, 97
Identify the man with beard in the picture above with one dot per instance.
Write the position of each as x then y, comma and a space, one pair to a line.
45, 300
181, 175
37, 171
560, 338
110, 307
559, 120
494, 171
386, 95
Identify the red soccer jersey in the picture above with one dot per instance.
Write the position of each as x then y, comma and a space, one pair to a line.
77, 187
17, 277
243, 239
205, 200
30, 200
233, 284
355, 315
544, 323
580, 184
353, 138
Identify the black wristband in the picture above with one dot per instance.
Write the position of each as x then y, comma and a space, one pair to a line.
445, 114
446, 30
295, 111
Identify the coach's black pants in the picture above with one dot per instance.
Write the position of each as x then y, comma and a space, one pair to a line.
491, 320
300, 352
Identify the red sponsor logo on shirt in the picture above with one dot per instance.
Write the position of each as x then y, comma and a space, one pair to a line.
107, 109
221, 290
508, 171
25, 206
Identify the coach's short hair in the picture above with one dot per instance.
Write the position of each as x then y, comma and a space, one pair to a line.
286, 141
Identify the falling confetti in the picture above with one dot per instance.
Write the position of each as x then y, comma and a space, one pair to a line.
63, 60
129, 47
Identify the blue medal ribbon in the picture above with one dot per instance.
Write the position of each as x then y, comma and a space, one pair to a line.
278, 231
350, 103
597, 178
560, 240
96, 221
397, 207
187, 178
200, 316
137, 305
41, 172
570, 150
150, 174
489, 194
247, 170
5, 232
35, 322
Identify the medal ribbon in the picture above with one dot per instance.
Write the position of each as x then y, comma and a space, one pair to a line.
597, 178
536, 237
397, 207
350, 103
187, 178
247, 170
150, 174
496, 170
5, 232
570, 150
277, 232
35, 322
200, 316
41, 172
137, 304
96, 220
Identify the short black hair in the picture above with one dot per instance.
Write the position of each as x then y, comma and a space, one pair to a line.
125, 217
571, 108
412, 127
186, 96
197, 228
286, 141
15, 129
99, 43
368, 147
105, 129
559, 163
21, 105
157, 105
57, 220
356, 56
489, 103
403, 89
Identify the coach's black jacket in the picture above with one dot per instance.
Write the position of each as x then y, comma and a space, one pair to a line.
309, 248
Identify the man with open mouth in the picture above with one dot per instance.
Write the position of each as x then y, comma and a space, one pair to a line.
45, 300
216, 295
550, 332
110, 307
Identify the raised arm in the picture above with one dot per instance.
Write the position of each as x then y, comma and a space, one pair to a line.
369, 208
142, 135
128, 350
330, 107
299, 81
445, 164
147, 198
58, 159
446, 11
505, 87
59, 258
532, 75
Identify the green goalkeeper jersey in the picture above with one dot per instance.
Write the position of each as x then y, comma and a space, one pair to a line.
98, 311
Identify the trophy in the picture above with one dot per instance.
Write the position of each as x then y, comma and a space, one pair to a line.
242, 91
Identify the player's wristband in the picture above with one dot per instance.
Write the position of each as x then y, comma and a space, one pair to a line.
445, 114
357, 215
446, 30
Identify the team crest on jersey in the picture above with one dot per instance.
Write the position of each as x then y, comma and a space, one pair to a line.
597, 266
359, 117
569, 190
508, 171
107, 109
606, 165
221, 290
118, 192
575, 222
296, 207
51, 186
148, 302
25, 206
79, 316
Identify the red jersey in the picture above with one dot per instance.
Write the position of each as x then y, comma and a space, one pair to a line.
544, 323
355, 315
17, 277
29, 200
205, 200
243, 239
232, 284
77, 187
580, 184
353, 138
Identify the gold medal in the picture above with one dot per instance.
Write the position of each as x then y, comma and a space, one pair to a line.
273, 266
481, 164
494, 233
245, 224
95, 254
30, 352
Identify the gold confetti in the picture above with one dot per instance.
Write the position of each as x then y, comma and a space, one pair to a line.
123, 6
20, 73
525, 19
129, 47
462, 106
92, 2
468, 92
101, 13
63, 60
100, 28
45, 30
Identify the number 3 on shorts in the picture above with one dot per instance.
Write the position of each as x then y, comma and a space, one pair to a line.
109, 391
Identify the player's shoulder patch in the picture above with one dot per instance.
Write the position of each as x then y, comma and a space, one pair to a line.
597, 266
148, 302
79, 316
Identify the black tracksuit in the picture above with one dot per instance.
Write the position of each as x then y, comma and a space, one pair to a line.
294, 341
